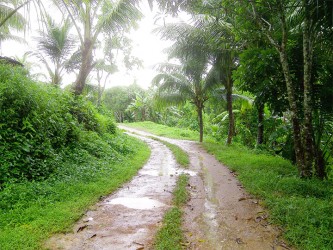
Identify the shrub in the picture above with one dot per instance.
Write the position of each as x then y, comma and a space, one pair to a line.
36, 122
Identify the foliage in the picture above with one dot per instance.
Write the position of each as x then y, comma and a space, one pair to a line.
91, 19
11, 19
118, 100
30, 212
55, 44
37, 122
302, 207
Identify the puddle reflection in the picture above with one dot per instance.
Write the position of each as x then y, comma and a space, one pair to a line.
137, 203
169, 172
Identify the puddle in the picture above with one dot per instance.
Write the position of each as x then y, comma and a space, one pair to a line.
143, 203
169, 172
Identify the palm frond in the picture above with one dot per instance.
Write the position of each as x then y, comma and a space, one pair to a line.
118, 15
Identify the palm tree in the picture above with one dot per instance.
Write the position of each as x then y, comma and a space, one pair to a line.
211, 35
55, 44
187, 81
11, 19
90, 19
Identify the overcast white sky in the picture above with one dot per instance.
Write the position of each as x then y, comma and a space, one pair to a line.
146, 46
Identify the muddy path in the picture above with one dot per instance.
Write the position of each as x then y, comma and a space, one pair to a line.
130, 217
219, 214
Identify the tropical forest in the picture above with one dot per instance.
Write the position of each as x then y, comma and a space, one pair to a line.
166, 124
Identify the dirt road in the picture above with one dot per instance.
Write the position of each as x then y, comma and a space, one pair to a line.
219, 214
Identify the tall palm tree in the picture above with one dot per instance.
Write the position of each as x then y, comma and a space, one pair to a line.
189, 80
90, 19
55, 44
212, 35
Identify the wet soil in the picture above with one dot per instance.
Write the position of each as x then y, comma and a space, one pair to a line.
129, 218
218, 215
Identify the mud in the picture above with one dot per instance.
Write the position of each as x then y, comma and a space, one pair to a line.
219, 214
129, 218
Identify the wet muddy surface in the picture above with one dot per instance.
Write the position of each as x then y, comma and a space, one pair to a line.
218, 215
130, 217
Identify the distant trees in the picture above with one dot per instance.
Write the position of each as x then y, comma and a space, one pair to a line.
189, 80
91, 19
285, 50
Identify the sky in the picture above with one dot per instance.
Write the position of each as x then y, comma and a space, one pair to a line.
146, 46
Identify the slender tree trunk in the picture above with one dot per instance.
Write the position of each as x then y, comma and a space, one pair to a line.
307, 103
297, 133
260, 135
85, 68
199, 110
87, 56
231, 129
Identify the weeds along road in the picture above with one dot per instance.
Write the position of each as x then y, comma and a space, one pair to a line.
218, 215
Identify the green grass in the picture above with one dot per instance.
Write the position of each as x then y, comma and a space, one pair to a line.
180, 155
170, 235
31, 212
303, 208
162, 130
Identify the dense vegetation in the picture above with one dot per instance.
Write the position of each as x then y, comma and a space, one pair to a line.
250, 73
59, 154
301, 207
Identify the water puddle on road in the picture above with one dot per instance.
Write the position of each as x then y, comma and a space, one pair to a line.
137, 203
169, 172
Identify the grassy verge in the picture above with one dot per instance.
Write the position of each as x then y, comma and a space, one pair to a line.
303, 208
162, 130
180, 155
31, 212
170, 236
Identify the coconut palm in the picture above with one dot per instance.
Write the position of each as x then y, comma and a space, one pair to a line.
213, 36
54, 47
189, 80
91, 19
11, 19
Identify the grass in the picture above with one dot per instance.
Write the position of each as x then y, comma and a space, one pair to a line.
180, 155
31, 212
303, 208
170, 235
162, 130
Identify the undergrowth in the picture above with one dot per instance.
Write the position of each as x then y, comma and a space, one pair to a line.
302, 207
58, 156
30, 212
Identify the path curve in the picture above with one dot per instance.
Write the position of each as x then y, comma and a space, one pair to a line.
130, 217
220, 213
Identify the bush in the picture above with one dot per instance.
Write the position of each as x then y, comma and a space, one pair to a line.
36, 122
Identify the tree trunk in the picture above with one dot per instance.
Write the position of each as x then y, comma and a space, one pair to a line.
199, 110
231, 129
260, 135
85, 68
297, 133
307, 102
